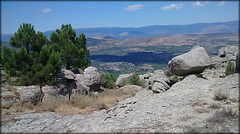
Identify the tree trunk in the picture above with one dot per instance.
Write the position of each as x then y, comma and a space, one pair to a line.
27, 48
42, 93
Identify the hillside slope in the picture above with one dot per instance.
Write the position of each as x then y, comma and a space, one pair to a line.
153, 30
188, 106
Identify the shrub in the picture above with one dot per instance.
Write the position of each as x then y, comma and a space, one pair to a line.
135, 80
49, 106
28, 105
80, 101
108, 80
230, 68
220, 95
101, 106
6, 105
175, 78
221, 115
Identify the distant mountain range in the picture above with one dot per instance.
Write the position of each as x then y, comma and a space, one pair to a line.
152, 31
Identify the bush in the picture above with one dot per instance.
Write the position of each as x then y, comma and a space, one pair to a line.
101, 106
222, 115
135, 80
108, 81
80, 101
50, 105
220, 95
230, 68
175, 78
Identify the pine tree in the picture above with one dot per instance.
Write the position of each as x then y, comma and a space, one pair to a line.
26, 36
35, 62
73, 49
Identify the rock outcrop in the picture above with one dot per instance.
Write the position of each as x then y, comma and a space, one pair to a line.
228, 51
29, 93
161, 85
194, 61
92, 78
219, 62
73, 83
121, 79
128, 89
187, 104
77, 70
157, 81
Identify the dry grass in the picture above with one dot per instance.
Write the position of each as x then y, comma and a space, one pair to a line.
77, 104
101, 101
215, 106
224, 114
21, 106
85, 103
49, 106
6, 105
202, 110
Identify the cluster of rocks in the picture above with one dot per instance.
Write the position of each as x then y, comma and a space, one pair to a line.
69, 83
225, 54
196, 61
156, 81
73, 82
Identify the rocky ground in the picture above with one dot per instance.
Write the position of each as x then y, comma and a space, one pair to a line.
185, 107
206, 102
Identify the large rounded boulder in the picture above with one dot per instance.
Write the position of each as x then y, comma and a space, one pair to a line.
194, 61
122, 79
92, 78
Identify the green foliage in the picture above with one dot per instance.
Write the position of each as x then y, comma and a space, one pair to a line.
175, 78
32, 63
73, 49
108, 80
135, 80
27, 37
230, 68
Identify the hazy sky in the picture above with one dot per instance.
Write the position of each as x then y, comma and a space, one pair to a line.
51, 15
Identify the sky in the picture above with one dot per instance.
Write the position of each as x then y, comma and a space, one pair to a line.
46, 15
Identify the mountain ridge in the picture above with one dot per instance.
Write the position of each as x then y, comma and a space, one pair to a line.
152, 30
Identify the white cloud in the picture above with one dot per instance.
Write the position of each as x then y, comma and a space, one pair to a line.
46, 10
198, 4
134, 7
173, 6
221, 3
206, 2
